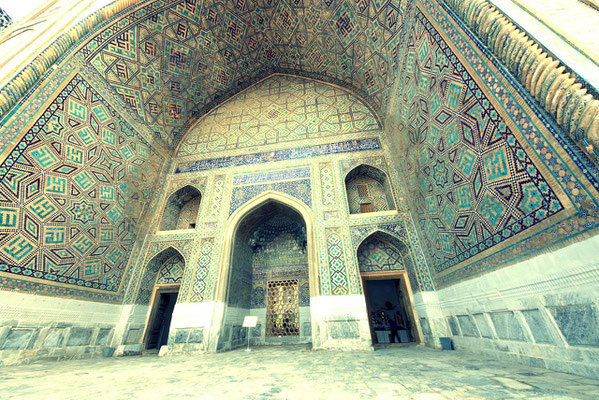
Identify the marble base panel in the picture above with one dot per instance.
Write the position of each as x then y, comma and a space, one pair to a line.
542, 312
34, 328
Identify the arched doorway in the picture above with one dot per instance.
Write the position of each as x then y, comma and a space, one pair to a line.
159, 289
383, 261
268, 272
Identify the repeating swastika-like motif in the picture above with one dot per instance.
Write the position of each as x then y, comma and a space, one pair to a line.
172, 61
65, 190
472, 183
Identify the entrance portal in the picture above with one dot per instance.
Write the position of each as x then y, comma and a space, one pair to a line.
160, 319
269, 278
388, 305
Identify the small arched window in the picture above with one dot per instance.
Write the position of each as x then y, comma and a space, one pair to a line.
181, 210
368, 190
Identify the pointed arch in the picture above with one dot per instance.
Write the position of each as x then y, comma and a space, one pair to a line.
368, 190
181, 209
238, 216
398, 251
151, 270
236, 222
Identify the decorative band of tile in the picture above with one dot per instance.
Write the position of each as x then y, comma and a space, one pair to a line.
24, 80
281, 155
272, 176
559, 91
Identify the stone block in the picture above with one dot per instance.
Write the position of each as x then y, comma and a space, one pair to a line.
453, 325
54, 338
507, 326
128, 350
103, 336
348, 329
257, 331
80, 337
483, 325
538, 326
467, 326
306, 329
4, 331
18, 339
133, 336
108, 351
196, 335
426, 329
181, 336
579, 323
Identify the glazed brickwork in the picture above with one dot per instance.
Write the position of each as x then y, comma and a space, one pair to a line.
362, 190
376, 255
72, 191
171, 61
486, 181
280, 253
475, 175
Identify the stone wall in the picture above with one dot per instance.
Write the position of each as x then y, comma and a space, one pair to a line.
47, 328
543, 312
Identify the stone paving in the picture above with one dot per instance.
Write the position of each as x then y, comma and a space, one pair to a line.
413, 372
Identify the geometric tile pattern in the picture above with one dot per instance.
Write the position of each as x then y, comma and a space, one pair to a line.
278, 110
171, 271
199, 290
173, 60
5, 19
364, 189
293, 153
379, 255
337, 264
67, 213
158, 271
298, 188
471, 182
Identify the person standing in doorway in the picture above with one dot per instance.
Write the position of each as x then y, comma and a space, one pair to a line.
393, 327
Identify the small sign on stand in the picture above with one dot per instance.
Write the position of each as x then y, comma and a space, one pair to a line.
249, 321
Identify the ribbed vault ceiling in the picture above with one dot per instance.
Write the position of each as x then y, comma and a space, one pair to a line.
172, 61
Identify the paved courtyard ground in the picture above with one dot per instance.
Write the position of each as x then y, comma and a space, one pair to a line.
413, 372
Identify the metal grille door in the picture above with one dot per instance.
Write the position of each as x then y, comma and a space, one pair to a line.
282, 308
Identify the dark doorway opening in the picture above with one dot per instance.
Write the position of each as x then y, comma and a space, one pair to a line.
160, 319
390, 312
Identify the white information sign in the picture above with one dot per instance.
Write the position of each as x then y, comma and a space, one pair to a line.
250, 321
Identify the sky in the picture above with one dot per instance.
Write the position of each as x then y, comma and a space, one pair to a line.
17, 9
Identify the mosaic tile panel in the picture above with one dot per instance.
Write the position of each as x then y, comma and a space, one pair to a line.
337, 264
329, 198
376, 255
200, 289
472, 182
168, 266
173, 60
280, 109
71, 192
296, 153
171, 271
362, 190
300, 189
